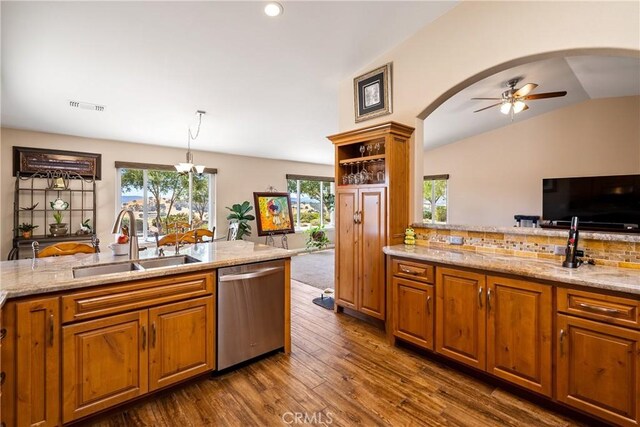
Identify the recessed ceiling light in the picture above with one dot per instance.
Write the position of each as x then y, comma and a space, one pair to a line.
273, 9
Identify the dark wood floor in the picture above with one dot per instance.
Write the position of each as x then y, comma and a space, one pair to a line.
340, 372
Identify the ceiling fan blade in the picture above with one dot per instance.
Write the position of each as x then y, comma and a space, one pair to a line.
492, 99
544, 95
485, 108
524, 90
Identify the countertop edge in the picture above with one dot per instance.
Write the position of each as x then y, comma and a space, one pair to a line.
108, 279
399, 251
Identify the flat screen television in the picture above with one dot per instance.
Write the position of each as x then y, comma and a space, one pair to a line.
600, 202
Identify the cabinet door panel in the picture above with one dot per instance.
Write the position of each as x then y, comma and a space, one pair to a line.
519, 332
346, 248
372, 239
599, 369
38, 362
105, 362
181, 341
460, 316
413, 312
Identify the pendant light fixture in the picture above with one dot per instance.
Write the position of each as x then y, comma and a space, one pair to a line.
188, 166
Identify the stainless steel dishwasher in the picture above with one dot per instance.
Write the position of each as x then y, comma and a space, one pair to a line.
250, 311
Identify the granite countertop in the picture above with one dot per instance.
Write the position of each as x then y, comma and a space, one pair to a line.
52, 274
593, 235
592, 276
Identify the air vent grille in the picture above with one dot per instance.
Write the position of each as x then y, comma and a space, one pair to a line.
86, 106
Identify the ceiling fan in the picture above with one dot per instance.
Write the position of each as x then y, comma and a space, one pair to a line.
513, 100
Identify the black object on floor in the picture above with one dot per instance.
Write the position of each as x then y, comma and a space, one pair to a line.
324, 302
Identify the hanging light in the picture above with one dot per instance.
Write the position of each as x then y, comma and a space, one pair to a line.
188, 166
505, 108
518, 106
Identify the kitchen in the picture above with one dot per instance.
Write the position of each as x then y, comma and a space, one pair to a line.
414, 65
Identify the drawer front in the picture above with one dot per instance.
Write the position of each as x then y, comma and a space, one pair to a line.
606, 308
133, 295
413, 270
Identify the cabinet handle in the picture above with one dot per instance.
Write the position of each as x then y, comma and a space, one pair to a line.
561, 342
3, 376
480, 297
3, 333
355, 217
359, 213
51, 329
408, 271
489, 300
598, 309
428, 307
153, 335
144, 338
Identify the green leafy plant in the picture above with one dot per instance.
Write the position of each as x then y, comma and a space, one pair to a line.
57, 216
317, 238
240, 214
26, 227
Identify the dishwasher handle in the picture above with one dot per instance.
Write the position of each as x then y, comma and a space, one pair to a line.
250, 275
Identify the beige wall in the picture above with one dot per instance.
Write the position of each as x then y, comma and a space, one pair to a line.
476, 36
497, 174
238, 177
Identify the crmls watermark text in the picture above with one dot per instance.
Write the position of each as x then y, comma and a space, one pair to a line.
306, 418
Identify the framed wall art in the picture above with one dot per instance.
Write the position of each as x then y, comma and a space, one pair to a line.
372, 93
274, 213
30, 160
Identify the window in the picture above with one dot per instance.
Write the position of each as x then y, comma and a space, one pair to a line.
160, 196
312, 200
434, 199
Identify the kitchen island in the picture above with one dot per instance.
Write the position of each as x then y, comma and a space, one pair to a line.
76, 346
570, 335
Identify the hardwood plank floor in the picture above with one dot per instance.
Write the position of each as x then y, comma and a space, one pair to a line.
341, 372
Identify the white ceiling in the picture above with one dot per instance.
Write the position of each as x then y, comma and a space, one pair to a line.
269, 85
583, 77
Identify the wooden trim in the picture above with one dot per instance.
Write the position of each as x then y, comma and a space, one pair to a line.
310, 178
154, 166
287, 306
435, 177
364, 134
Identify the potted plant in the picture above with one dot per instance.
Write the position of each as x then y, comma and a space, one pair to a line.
58, 228
27, 229
317, 238
240, 214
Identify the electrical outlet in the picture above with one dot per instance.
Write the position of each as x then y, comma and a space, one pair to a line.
559, 250
456, 240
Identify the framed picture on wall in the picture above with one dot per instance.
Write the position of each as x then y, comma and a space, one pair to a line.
30, 160
372, 93
274, 213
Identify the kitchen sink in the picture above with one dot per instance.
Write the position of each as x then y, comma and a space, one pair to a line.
138, 265
166, 261
99, 270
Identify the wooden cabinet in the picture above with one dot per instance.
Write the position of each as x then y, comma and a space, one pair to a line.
117, 358
359, 258
519, 332
31, 362
413, 311
496, 324
104, 363
370, 213
461, 316
598, 369
181, 341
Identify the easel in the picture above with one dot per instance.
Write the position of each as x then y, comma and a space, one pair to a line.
269, 240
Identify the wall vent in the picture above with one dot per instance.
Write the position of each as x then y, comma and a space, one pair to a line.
86, 106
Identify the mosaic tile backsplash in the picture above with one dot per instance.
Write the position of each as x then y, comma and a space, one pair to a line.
611, 250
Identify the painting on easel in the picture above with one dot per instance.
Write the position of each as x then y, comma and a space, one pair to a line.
274, 213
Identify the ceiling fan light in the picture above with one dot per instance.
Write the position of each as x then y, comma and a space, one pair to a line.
518, 106
505, 108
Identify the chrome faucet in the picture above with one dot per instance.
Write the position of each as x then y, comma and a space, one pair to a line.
134, 250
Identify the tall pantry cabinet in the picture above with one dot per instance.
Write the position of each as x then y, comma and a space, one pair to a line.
372, 210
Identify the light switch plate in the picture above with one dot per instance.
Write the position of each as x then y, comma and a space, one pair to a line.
456, 240
559, 250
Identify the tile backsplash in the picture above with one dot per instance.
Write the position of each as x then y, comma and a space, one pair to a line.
607, 249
